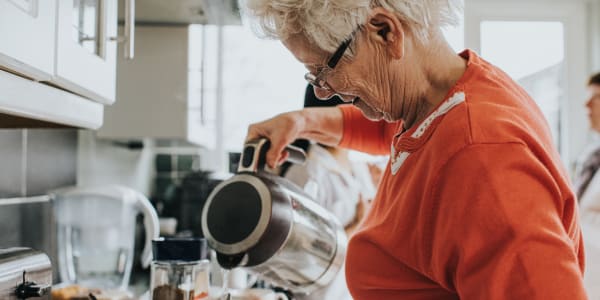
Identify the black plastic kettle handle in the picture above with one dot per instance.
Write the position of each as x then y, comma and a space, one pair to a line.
253, 157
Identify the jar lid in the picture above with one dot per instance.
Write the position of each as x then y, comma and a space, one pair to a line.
179, 249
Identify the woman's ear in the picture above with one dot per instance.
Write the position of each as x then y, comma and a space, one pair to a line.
385, 28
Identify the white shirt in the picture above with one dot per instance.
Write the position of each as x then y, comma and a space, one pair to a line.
338, 191
332, 186
589, 211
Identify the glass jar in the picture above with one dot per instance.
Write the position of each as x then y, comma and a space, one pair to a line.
180, 269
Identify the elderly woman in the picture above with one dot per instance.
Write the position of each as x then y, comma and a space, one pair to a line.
474, 203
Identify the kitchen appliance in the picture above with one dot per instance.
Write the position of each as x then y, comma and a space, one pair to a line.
272, 228
180, 269
24, 274
96, 231
195, 189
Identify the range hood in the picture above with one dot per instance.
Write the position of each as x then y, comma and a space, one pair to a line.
182, 12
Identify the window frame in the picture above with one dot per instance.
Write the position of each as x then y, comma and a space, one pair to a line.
573, 123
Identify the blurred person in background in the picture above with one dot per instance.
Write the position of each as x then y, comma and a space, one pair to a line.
343, 186
474, 202
587, 185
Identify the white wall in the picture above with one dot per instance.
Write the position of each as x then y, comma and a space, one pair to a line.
572, 13
593, 18
100, 162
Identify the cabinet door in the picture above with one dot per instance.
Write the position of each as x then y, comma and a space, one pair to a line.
27, 37
86, 50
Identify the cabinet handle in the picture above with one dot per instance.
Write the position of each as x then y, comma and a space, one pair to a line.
128, 38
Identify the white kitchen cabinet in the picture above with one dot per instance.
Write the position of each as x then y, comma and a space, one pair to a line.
160, 93
28, 60
28, 37
33, 101
86, 48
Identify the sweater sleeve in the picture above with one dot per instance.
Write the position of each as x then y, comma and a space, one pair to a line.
362, 134
503, 228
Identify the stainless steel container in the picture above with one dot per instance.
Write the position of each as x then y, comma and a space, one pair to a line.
24, 274
271, 227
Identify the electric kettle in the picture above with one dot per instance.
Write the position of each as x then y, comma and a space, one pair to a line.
96, 233
267, 225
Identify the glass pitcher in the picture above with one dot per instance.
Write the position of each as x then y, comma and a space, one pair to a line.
96, 232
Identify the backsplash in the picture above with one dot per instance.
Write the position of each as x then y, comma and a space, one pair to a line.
11, 163
102, 162
33, 161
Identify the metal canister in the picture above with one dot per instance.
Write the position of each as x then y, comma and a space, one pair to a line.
24, 274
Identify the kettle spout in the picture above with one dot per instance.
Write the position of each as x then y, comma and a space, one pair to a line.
232, 261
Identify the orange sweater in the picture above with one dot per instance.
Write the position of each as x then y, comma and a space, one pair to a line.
479, 206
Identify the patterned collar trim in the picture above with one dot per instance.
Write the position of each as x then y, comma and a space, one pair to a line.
398, 158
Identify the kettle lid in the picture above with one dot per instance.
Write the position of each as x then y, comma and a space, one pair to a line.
237, 214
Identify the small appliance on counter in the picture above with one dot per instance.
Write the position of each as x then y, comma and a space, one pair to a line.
195, 189
96, 233
267, 225
24, 274
180, 189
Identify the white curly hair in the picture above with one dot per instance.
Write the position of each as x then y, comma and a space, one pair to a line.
327, 23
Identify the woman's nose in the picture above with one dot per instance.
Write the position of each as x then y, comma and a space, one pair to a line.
323, 94
588, 103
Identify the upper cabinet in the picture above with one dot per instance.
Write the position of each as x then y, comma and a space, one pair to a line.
165, 93
69, 44
58, 63
184, 12
86, 48
27, 37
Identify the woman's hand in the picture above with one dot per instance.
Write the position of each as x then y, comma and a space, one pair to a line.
362, 208
319, 124
376, 173
281, 130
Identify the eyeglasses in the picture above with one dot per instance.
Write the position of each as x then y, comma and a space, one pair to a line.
318, 80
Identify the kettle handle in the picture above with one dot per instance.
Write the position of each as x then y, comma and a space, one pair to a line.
253, 158
151, 225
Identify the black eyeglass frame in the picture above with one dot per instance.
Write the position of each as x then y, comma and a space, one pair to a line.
318, 80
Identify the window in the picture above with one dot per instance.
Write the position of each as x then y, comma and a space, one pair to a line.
261, 78
541, 45
537, 63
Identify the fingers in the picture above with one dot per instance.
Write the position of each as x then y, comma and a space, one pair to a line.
284, 156
280, 131
276, 154
376, 173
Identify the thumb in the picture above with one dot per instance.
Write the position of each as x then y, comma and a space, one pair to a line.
275, 155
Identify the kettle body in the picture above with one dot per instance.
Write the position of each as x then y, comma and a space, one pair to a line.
272, 228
